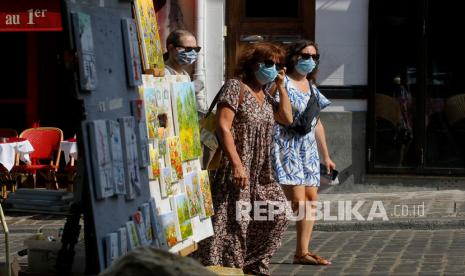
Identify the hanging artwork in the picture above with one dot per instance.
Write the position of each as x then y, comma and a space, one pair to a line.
116, 151
152, 52
206, 195
151, 110
168, 224
145, 211
174, 149
128, 134
154, 172
167, 185
132, 54
165, 112
84, 42
133, 238
180, 206
187, 121
141, 230
156, 225
137, 109
122, 241
101, 159
191, 185
111, 245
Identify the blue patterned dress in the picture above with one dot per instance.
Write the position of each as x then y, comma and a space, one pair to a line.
295, 157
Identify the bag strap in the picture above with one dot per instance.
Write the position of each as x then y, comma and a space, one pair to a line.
216, 98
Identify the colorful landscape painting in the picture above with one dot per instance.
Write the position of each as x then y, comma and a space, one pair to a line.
168, 224
205, 190
152, 51
181, 206
187, 123
167, 185
154, 160
191, 184
151, 110
174, 149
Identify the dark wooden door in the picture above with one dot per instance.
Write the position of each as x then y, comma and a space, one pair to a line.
266, 20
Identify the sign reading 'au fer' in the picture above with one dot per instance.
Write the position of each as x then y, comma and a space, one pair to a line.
30, 15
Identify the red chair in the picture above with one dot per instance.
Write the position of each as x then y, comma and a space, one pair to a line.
46, 155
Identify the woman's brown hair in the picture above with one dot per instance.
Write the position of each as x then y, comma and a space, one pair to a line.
255, 53
293, 51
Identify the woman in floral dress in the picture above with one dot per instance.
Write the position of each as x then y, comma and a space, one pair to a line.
296, 160
246, 116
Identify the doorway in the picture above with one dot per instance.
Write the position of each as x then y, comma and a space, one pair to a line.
250, 21
417, 108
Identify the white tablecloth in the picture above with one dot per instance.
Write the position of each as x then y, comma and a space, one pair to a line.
70, 150
8, 153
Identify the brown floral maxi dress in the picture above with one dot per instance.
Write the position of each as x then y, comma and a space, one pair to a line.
246, 243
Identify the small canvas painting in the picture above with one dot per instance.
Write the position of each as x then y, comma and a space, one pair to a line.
112, 250
187, 121
116, 150
151, 110
152, 51
191, 184
154, 171
141, 230
180, 205
167, 185
206, 195
137, 109
130, 155
131, 49
122, 241
145, 210
174, 149
168, 224
101, 159
133, 238
156, 225
165, 112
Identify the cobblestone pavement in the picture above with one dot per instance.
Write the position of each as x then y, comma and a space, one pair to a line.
379, 252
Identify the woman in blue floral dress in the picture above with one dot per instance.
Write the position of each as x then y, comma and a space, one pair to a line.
295, 157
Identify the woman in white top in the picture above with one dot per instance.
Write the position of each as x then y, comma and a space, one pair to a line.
182, 51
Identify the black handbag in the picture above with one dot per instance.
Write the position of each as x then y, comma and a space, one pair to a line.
303, 123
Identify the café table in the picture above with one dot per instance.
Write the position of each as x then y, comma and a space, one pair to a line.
13, 146
70, 149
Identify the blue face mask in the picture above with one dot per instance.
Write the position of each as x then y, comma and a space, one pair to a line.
305, 66
265, 74
187, 58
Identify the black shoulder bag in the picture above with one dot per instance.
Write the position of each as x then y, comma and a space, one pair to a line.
303, 123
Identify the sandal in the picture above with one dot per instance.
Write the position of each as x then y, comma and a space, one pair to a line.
310, 259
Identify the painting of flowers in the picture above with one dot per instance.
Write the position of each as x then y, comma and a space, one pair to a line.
205, 190
152, 51
154, 172
151, 110
168, 224
187, 121
191, 184
174, 149
181, 206
167, 185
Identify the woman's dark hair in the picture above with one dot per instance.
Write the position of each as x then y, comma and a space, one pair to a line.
254, 53
174, 38
293, 51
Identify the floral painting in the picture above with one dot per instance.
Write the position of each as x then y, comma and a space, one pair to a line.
154, 160
167, 185
168, 224
205, 190
181, 206
191, 184
151, 110
152, 51
174, 149
187, 121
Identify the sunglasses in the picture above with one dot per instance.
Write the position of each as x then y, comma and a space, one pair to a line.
269, 63
315, 57
188, 49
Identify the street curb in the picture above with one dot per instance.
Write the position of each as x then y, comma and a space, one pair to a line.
425, 224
